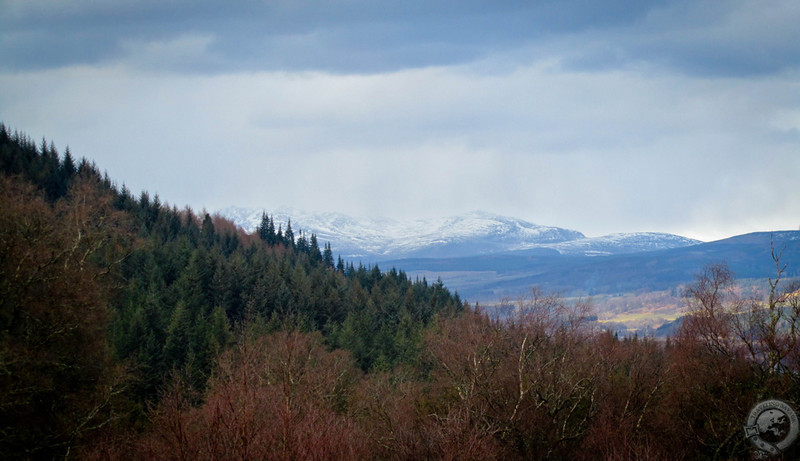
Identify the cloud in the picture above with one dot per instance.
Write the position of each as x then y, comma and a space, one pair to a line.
600, 152
747, 38
179, 54
741, 37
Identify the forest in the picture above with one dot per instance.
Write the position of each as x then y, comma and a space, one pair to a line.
131, 329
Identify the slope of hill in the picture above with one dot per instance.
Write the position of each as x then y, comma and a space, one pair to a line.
106, 297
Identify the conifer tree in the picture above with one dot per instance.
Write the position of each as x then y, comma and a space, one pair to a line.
271, 237
313, 248
263, 227
340, 264
302, 244
327, 255
288, 236
68, 165
207, 231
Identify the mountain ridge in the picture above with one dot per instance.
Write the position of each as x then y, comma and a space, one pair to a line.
469, 234
487, 277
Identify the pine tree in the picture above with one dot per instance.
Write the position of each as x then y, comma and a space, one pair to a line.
288, 236
271, 237
68, 164
327, 256
302, 244
263, 227
340, 264
313, 248
207, 231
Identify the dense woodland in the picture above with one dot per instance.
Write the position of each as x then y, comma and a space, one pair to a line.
130, 329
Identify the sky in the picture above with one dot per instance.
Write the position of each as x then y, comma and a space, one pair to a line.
679, 116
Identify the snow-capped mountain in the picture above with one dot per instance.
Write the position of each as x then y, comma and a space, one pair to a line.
471, 234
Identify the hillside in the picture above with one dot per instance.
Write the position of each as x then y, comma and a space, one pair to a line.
107, 298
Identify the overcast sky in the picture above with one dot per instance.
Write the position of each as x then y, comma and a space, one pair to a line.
599, 116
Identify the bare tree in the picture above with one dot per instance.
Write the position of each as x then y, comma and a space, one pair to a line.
57, 377
734, 348
278, 397
529, 381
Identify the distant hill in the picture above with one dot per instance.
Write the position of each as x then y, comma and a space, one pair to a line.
488, 277
472, 234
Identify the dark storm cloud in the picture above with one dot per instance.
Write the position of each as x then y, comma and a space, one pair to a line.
378, 36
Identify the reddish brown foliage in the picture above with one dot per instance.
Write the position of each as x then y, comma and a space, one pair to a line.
633, 420
57, 377
279, 397
530, 382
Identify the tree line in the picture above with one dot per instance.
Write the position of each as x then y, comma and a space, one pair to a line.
130, 329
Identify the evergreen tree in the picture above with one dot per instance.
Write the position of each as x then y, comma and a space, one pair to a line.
314, 253
67, 165
327, 256
288, 235
340, 264
263, 228
271, 236
176, 347
302, 245
207, 231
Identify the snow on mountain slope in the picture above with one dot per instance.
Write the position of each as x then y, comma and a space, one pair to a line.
623, 244
470, 234
348, 236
